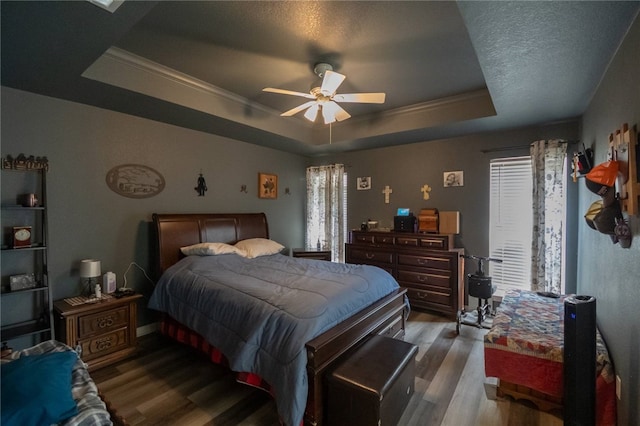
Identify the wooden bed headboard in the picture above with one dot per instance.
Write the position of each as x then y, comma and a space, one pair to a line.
178, 230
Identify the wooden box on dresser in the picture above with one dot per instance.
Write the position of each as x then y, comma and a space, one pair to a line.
105, 331
427, 265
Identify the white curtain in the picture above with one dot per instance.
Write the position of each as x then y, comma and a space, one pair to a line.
326, 217
547, 250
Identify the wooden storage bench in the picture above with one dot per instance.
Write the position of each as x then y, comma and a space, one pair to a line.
373, 385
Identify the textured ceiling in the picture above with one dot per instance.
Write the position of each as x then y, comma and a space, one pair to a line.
448, 68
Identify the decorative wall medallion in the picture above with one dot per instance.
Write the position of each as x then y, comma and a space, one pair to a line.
135, 181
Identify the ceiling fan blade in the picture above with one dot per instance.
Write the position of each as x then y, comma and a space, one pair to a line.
331, 112
365, 98
288, 92
331, 82
341, 114
312, 112
297, 109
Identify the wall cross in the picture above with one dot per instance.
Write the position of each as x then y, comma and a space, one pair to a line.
386, 191
425, 191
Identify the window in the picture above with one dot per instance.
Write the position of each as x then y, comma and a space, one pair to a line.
510, 222
327, 209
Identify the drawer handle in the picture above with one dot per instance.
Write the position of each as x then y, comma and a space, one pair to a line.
421, 295
105, 322
370, 255
423, 262
423, 279
104, 343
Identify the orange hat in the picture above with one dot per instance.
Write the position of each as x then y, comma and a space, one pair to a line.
602, 177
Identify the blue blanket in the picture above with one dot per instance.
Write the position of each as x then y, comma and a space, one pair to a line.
260, 312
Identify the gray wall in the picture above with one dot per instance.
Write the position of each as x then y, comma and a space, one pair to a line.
88, 220
605, 270
407, 168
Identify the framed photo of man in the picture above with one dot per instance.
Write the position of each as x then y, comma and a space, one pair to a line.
453, 178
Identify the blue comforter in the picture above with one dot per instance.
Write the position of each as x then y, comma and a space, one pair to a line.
260, 312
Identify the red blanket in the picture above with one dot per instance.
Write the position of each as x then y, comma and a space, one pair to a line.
525, 347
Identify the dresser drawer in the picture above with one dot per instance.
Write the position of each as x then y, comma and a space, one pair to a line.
104, 344
435, 242
427, 261
364, 238
103, 322
408, 241
364, 255
422, 298
434, 278
384, 239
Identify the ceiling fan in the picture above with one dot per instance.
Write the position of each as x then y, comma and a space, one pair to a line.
325, 98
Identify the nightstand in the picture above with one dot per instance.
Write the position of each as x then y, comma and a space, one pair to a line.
105, 330
312, 254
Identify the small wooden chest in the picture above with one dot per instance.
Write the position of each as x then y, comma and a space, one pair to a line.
428, 220
373, 385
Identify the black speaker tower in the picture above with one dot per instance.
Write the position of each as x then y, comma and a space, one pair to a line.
580, 361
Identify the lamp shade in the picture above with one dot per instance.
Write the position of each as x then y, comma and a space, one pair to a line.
90, 268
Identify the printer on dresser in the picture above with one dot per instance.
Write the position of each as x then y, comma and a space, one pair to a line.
427, 265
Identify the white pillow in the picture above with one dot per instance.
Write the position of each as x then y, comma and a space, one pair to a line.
210, 249
255, 247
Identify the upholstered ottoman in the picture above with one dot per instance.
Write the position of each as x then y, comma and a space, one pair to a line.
373, 385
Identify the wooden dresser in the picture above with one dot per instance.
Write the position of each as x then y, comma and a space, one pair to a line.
427, 265
105, 331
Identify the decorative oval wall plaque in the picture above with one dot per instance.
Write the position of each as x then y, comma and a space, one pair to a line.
135, 181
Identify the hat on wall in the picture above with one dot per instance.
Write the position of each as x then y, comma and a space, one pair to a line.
605, 220
594, 209
602, 177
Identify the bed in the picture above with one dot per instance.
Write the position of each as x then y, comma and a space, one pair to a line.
287, 358
524, 350
49, 384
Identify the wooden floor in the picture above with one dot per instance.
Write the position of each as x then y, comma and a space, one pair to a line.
170, 384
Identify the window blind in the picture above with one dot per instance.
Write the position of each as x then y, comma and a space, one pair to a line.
510, 226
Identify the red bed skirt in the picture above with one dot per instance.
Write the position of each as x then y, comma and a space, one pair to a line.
173, 329
540, 374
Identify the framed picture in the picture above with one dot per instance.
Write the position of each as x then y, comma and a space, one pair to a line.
364, 183
267, 185
454, 178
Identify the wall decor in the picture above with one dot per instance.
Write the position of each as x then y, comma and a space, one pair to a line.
364, 183
267, 185
453, 178
201, 188
22, 162
425, 191
386, 191
243, 188
135, 181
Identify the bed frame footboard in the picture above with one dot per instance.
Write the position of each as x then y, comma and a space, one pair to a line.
385, 317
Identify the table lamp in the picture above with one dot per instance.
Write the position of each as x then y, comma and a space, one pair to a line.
89, 274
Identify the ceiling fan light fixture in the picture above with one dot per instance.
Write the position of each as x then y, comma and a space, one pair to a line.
328, 113
324, 96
